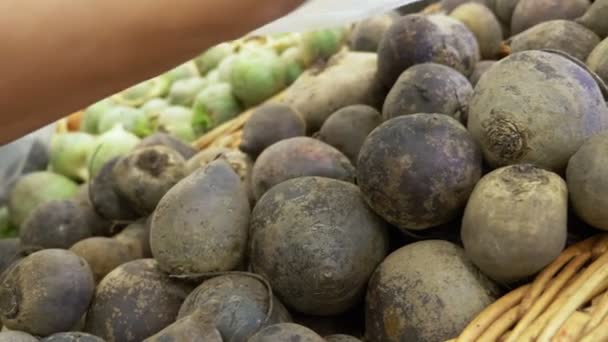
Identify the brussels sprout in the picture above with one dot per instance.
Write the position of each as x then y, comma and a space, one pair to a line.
132, 119
293, 66
256, 75
183, 71
93, 113
138, 94
113, 143
211, 58
69, 153
176, 121
184, 91
321, 44
213, 106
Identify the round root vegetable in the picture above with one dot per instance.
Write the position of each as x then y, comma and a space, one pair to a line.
484, 25
146, 174
535, 107
562, 35
136, 237
367, 34
431, 296
72, 337
450, 5
9, 252
347, 128
201, 224
269, 124
429, 88
348, 78
480, 69
238, 305
188, 328
36, 188
317, 243
69, 153
103, 254
56, 224
341, 338
416, 38
204, 157
504, 10
598, 60
133, 302
586, 181
163, 139
595, 18
286, 332
16, 336
242, 164
298, 157
107, 202
516, 222
402, 170
528, 13
46, 292
98, 225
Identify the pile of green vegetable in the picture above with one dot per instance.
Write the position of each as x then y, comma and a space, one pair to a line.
396, 189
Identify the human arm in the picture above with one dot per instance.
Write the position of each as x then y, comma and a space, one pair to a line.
61, 55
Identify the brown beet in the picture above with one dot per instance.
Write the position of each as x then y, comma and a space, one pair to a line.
146, 174
480, 69
598, 60
528, 13
416, 38
595, 18
317, 242
72, 337
269, 124
188, 329
298, 157
341, 338
562, 35
133, 302
484, 25
55, 224
107, 202
163, 139
402, 170
237, 304
136, 237
286, 332
16, 336
9, 252
103, 254
347, 128
204, 157
46, 292
429, 88
367, 34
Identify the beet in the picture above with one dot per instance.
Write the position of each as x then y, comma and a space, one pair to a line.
204, 157
426, 291
146, 174
9, 252
429, 88
200, 225
16, 336
535, 107
484, 25
595, 18
286, 332
188, 328
347, 128
341, 338
418, 170
562, 35
416, 38
237, 304
46, 292
504, 10
528, 13
450, 5
164, 139
598, 60
136, 237
103, 254
55, 224
480, 69
317, 243
105, 200
298, 157
72, 337
269, 124
367, 34
134, 301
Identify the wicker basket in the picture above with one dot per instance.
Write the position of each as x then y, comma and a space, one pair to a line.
568, 301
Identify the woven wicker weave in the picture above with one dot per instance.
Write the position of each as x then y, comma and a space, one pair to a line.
568, 301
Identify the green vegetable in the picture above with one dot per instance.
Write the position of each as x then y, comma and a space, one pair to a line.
184, 91
153, 108
138, 94
177, 121
93, 114
211, 58
69, 153
293, 66
115, 142
7, 229
213, 106
36, 188
183, 71
132, 119
257, 75
321, 44
225, 68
